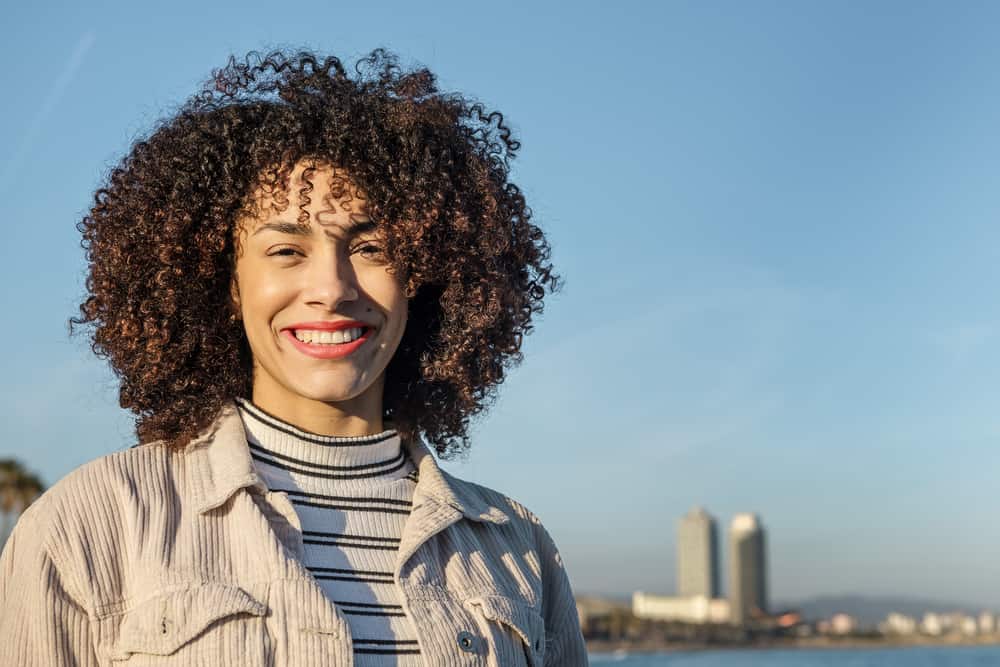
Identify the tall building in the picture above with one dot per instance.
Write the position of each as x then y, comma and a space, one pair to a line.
747, 567
697, 555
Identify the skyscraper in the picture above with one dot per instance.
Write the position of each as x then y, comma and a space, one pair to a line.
697, 555
747, 567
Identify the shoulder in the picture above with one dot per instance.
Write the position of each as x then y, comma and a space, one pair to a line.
504, 511
108, 482
83, 519
496, 498
477, 502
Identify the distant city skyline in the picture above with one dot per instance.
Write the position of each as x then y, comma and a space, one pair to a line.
746, 600
699, 598
776, 223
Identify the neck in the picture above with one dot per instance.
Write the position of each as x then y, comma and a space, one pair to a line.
358, 416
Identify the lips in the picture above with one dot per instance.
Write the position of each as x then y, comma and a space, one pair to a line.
328, 350
336, 325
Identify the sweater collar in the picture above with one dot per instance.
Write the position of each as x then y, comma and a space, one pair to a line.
222, 465
374, 458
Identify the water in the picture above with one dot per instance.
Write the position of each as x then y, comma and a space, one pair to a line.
915, 656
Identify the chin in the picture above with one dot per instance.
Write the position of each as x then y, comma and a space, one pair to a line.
329, 393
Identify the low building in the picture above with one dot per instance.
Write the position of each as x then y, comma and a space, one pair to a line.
987, 623
843, 624
691, 609
933, 624
898, 624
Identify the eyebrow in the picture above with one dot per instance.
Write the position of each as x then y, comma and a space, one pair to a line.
305, 229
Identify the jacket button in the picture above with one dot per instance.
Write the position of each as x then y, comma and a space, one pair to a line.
467, 641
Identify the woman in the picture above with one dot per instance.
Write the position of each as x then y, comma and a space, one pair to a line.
301, 278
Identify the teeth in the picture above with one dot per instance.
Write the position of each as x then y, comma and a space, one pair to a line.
328, 337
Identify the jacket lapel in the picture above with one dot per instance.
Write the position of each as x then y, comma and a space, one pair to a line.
439, 500
223, 465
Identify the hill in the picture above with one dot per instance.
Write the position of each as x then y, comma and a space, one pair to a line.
870, 610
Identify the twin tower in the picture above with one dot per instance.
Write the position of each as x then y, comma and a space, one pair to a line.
698, 562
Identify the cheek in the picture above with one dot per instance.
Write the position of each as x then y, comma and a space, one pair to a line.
389, 296
398, 311
261, 298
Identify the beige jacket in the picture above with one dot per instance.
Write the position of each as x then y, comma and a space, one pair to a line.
153, 557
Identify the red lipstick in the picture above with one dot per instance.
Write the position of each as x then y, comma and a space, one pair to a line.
328, 350
330, 326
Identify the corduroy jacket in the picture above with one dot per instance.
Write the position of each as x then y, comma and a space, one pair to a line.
155, 556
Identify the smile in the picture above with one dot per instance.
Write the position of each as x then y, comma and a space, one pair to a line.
328, 344
329, 337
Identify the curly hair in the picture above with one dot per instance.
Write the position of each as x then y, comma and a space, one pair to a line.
434, 170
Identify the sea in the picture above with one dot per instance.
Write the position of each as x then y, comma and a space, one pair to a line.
913, 656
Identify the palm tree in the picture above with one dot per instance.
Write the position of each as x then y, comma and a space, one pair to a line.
18, 489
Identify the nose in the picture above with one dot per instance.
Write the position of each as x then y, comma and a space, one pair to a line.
330, 282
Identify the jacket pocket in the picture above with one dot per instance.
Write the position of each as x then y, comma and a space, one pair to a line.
515, 630
207, 624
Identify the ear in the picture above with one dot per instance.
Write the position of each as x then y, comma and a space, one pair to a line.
235, 305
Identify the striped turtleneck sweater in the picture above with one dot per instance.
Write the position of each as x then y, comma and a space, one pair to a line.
352, 496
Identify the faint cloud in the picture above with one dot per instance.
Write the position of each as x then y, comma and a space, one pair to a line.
76, 386
961, 341
739, 298
55, 94
738, 421
696, 368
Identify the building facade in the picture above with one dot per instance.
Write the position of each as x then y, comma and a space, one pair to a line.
697, 555
694, 609
747, 568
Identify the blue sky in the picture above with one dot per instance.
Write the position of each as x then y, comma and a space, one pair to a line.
777, 226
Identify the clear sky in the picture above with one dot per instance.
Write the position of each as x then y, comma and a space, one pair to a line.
777, 226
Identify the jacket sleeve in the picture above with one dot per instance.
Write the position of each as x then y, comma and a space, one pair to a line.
41, 624
564, 644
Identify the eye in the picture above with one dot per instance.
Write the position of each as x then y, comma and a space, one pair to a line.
369, 250
284, 252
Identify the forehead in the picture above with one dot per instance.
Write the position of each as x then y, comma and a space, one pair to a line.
311, 195
344, 230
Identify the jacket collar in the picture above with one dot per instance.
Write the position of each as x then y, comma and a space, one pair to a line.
221, 466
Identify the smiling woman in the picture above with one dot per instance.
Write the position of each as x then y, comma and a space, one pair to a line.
322, 310
303, 279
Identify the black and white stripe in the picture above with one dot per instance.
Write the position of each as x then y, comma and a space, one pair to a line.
350, 541
363, 471
258, 414
386, 646
351, 574
369, 609
352, 497
350, 503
